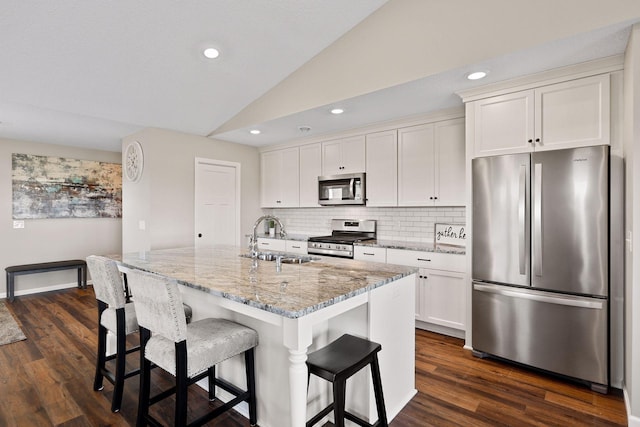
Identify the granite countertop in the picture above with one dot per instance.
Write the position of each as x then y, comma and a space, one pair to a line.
413, 246
295, 291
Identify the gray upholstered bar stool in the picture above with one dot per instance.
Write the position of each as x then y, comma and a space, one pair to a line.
117, 315
336, 363
189, 352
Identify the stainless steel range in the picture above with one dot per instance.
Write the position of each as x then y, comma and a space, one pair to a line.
344, 233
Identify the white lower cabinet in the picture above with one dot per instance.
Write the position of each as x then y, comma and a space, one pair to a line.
369, 253
266, 244
442, 298
295, 247
440, 291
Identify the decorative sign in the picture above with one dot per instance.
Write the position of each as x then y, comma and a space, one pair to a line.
450, 235
55, 187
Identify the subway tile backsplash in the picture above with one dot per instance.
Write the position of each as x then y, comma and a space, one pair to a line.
404, 224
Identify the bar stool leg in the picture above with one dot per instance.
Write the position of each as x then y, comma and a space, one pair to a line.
102, 349
212, 383
249, 361
182, 382
145, 380
377, 388
121, 348
339, 392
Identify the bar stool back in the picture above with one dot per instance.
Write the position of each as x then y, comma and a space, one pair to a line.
189, 352
117, 316
338, 361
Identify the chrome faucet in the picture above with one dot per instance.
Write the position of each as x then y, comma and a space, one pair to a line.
254, 238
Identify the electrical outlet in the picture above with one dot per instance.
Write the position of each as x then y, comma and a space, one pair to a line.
18, 224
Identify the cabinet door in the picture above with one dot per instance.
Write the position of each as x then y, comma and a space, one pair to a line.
279, 178
369, 253
332, 157
271, 163
573, 114
289, 179
296, 247
345, 155
416, 166
450, 163
353, 154
504, 124
310, 170
382, 168
443, 300
266, 244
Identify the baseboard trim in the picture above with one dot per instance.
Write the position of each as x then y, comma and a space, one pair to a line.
632, 420
44, 289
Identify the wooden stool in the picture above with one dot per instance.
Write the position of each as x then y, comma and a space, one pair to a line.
336, 363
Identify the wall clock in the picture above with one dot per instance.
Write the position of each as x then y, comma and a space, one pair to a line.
134, 161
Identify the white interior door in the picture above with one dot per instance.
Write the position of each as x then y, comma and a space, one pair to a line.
217, 203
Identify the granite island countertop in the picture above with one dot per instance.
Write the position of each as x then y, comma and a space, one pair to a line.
295, 291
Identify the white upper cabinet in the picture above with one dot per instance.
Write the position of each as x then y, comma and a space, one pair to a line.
280, 178
310, 170
416, 163
382, 168
345, 155
504, 124
431, 164
571, 114
449, 185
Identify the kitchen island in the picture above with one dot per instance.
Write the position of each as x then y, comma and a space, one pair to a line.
296, 308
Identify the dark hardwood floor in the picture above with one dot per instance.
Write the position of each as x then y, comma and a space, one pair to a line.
47, 380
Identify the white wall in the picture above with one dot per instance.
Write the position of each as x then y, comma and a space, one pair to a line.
164, 197
45, 240
632, 225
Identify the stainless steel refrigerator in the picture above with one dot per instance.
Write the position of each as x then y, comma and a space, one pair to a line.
540, 260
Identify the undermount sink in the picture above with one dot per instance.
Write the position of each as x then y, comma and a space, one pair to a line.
286, 258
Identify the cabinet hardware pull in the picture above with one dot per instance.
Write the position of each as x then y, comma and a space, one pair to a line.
367, 253
530, 141
423, 259
537, 139
295, 247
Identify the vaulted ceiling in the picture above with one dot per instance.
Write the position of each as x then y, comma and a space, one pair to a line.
89, 73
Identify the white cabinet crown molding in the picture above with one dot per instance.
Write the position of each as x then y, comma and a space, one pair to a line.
418, 119
544, 78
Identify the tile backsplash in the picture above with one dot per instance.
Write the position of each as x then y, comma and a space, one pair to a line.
404, 224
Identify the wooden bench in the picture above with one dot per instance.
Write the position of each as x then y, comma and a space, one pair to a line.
18, 270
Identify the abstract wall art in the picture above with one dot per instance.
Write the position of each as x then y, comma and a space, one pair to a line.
56, 187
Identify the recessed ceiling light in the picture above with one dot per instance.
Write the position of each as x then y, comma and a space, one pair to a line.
211, 52
255, 131
337, 111
477, 75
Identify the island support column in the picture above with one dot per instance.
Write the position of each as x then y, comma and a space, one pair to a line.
297, 338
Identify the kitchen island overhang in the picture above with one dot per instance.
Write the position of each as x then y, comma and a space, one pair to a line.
295, 309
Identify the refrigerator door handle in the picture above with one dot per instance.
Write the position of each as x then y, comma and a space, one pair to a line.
567, 300
537, 220
521, 218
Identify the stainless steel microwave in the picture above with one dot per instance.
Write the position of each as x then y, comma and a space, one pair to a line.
344, 189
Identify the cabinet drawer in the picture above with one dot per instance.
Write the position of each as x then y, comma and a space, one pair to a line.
265, 244
432, 260
368, 253
296, 247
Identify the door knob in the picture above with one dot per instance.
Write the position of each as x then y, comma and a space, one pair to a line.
199, 234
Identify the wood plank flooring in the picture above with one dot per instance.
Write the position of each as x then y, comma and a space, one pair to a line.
47, 380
